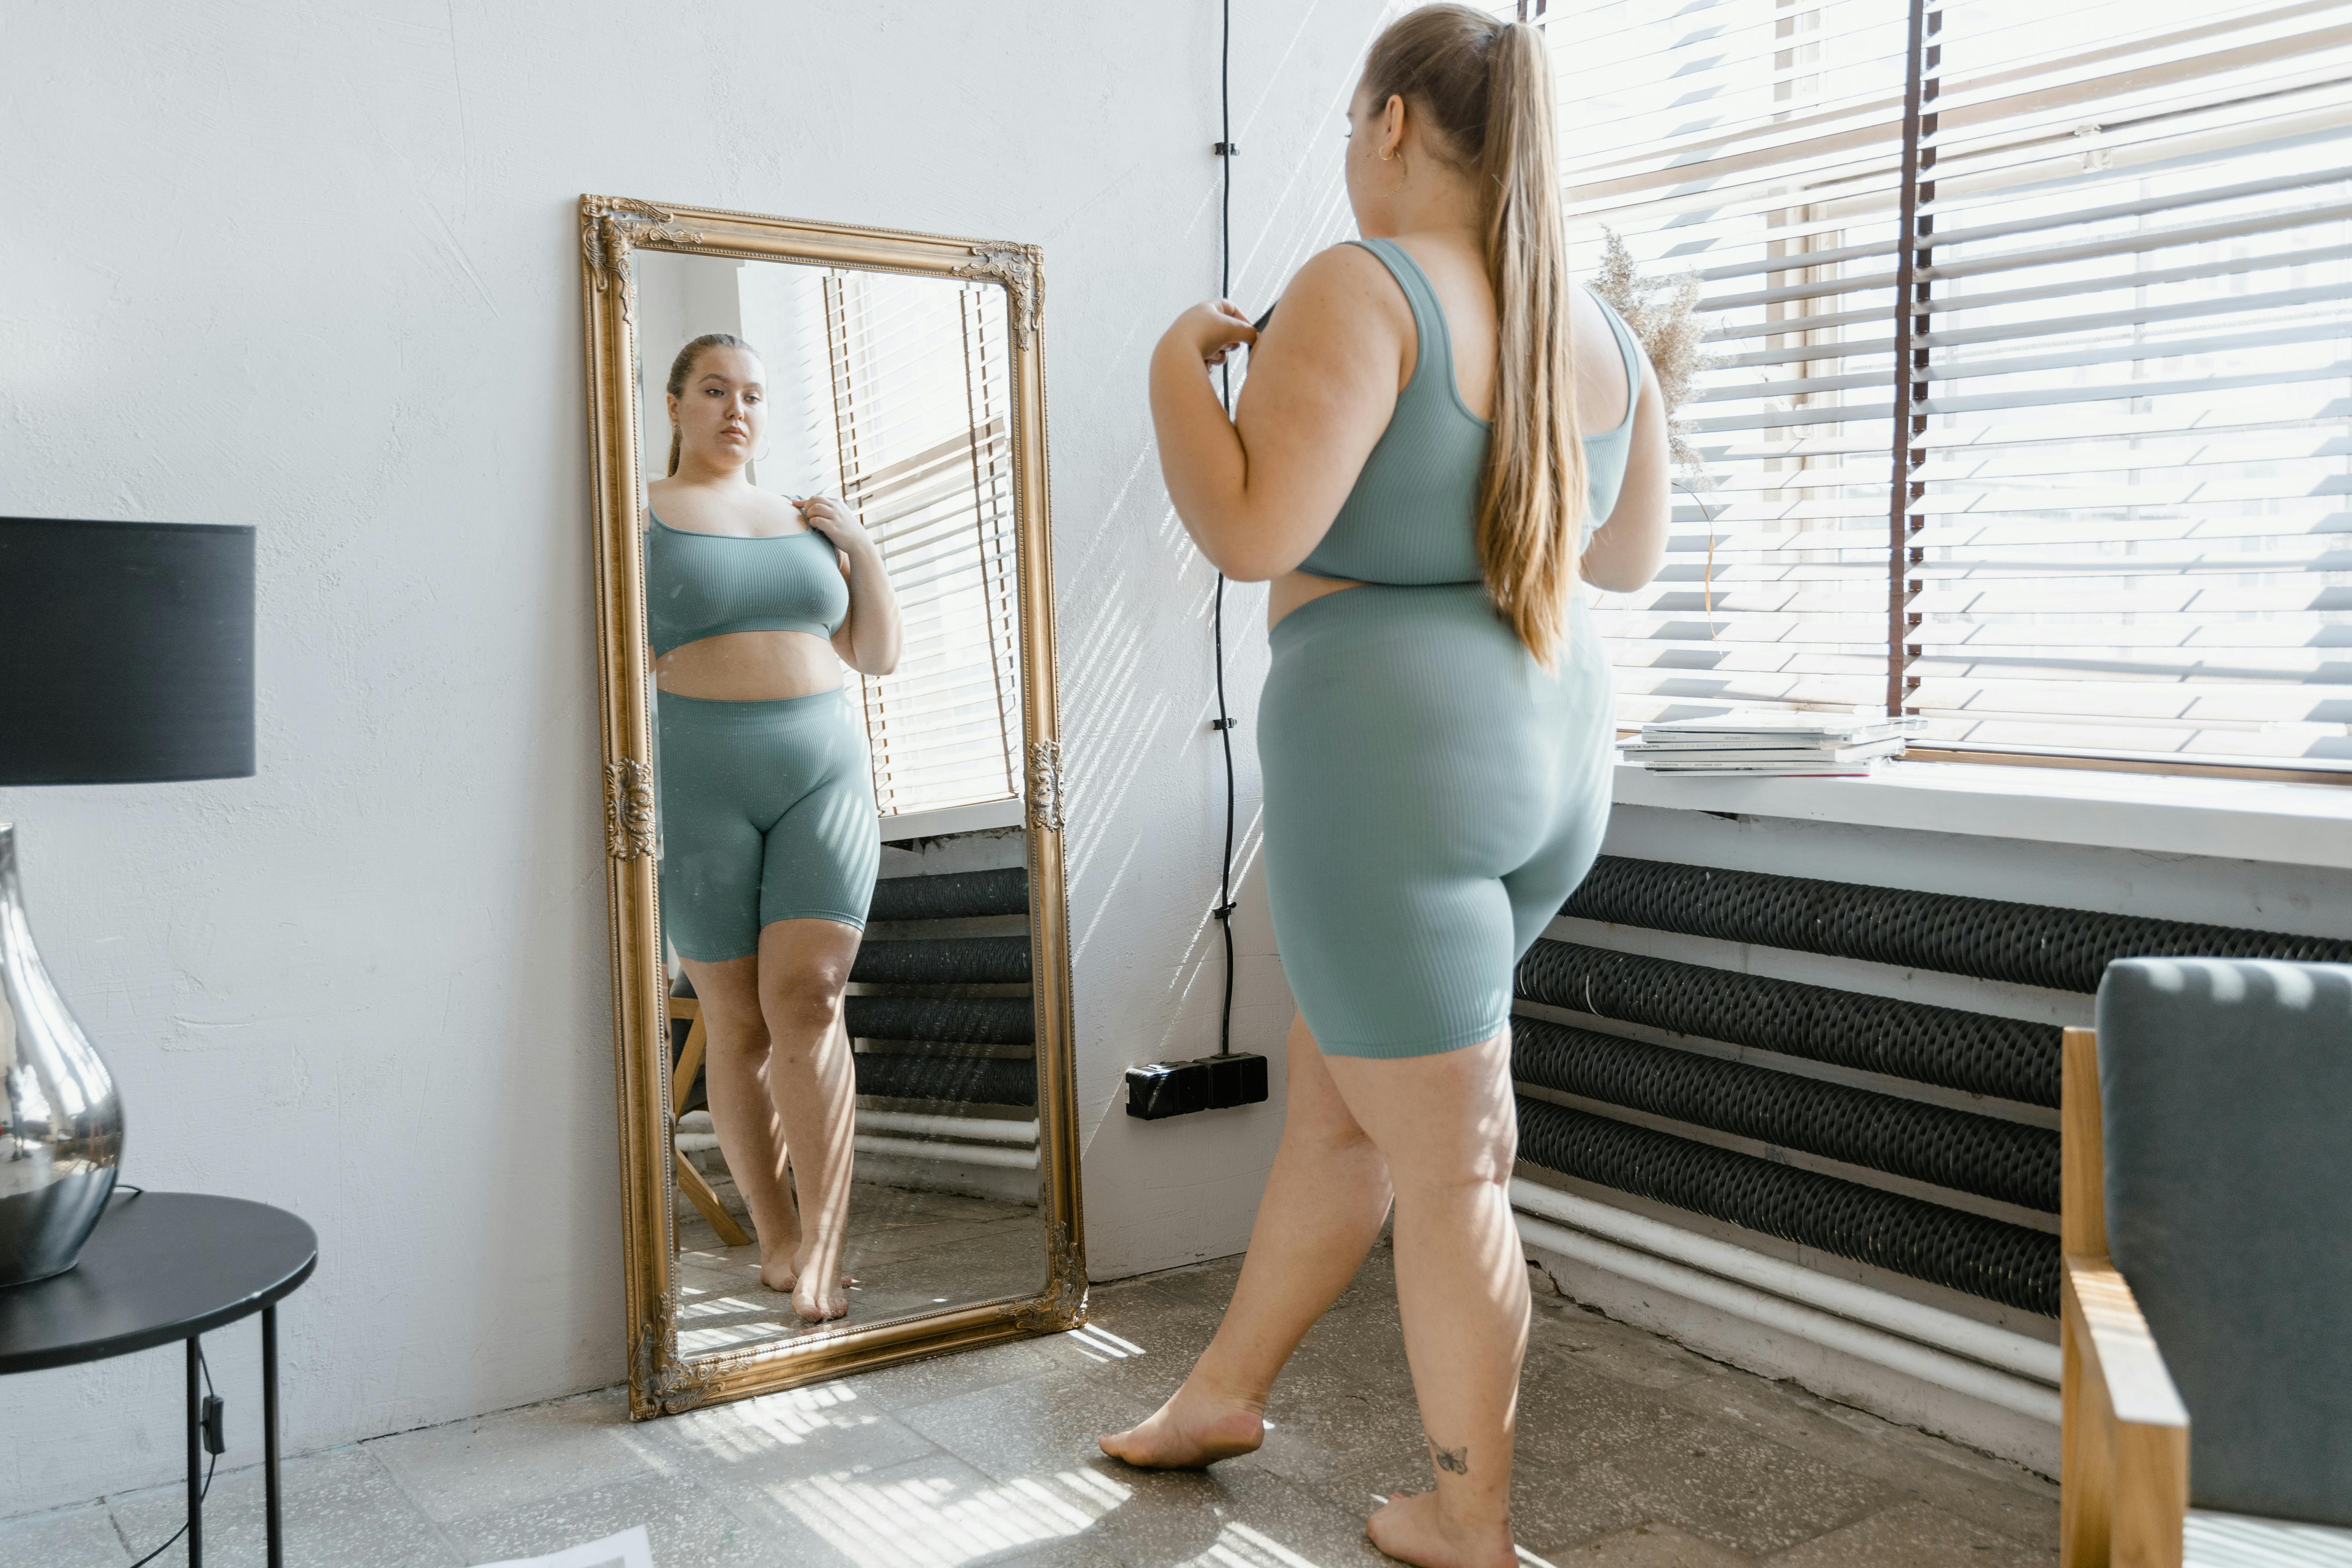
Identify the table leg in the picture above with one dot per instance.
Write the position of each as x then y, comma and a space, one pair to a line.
195, 1447
269, 1430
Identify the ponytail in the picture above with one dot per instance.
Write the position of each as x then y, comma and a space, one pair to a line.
1487, 89
681, 368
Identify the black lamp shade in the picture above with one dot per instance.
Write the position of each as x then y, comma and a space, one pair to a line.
126, 651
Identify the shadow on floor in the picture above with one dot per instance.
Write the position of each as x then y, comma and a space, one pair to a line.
1633, 1452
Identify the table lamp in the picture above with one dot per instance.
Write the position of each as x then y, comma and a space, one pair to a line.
126, 657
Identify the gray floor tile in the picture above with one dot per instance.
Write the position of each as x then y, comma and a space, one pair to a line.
1569, 1417
933, 1513
1647, 1546
339, 1508
1913, 1535
689, 1527
944, 1377
515, 1457
1226, 1517
825, 1429
1739, 1492
1979, 1487
1038, 1426
68, 1538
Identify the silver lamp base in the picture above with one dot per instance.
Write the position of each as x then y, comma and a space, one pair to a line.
60, 1116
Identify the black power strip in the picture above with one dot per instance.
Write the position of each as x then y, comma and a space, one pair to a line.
1159, 1089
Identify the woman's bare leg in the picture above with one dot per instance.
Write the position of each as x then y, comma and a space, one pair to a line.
803, 969
1449, 1130
1325, 1199
735, 1078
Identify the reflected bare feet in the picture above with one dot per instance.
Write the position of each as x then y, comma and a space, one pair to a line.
783, 1282
1194, 1429
1411, 1530
813, 1304
776, 1271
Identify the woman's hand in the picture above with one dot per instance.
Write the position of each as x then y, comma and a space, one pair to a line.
838, 524
1212, 331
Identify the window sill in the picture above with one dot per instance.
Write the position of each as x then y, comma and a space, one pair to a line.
2235, 819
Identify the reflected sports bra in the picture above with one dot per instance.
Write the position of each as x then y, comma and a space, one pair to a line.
1413, 516
703, 584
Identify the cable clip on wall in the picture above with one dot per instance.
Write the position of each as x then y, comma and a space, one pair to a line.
1156, 1091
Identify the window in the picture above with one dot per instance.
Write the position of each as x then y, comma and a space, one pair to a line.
919, 424
2093, 262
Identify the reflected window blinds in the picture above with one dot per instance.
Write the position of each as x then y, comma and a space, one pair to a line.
920, 412
2098, 278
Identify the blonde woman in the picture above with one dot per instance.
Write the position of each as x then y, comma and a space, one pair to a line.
1409, 466
769, 844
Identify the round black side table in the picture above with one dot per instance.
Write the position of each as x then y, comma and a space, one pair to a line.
162, 1267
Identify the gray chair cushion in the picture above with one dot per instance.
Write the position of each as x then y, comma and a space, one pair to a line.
2226, 1090
2233, 1540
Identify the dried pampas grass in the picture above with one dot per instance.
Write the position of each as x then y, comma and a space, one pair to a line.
1664, 314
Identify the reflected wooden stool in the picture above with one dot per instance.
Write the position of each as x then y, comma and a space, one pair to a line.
687, 1009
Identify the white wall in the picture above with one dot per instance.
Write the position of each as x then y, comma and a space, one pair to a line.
316, 269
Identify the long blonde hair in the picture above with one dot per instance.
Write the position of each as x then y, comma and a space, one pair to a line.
1486, 88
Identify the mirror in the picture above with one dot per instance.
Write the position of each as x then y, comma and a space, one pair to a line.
833, 797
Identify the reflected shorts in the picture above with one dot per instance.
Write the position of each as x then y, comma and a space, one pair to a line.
1432, 795
767, 815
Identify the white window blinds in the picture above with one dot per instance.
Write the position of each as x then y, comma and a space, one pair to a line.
920, 428
2116, 524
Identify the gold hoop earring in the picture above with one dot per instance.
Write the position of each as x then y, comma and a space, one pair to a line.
1388, 155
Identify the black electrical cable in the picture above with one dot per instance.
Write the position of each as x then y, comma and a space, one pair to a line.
211, 1463
1224, 724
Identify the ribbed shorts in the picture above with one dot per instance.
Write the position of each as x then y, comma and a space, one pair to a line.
1432, 795
767, 815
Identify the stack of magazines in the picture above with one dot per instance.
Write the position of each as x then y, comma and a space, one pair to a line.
1771, 741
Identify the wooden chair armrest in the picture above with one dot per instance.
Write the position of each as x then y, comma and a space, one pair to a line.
2123, 1446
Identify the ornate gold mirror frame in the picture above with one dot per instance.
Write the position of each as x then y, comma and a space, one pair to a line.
661, 1381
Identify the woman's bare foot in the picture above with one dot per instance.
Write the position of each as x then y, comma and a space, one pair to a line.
1194, 1429
814, 1304
1411, 1530
777, 1273
822, 1306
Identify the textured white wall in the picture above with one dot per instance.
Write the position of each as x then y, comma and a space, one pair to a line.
315, 269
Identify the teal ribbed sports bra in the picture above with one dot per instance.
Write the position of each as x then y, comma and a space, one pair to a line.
1413, 517
702, 584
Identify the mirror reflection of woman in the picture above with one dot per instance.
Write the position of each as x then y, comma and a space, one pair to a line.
1438, 440
769, 845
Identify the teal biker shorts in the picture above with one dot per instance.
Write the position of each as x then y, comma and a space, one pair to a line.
767, 815
1432, 795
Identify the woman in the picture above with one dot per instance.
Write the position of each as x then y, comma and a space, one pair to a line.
769, 840
1407, 468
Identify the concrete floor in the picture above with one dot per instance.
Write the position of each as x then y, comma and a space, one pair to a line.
1633, 1452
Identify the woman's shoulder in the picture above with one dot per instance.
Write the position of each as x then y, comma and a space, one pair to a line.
1335, 266
1345, 287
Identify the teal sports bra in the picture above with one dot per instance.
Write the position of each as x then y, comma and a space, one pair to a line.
704, 584
1413, 517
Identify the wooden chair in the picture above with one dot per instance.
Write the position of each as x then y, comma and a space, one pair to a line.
687, 1009
2225, 1175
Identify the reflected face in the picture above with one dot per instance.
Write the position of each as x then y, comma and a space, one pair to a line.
722, 415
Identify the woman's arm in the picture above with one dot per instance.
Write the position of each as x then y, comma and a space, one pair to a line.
1258, 492
867, 639
1628, 548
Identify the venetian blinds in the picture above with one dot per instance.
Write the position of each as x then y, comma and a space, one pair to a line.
2109, 250
922, 403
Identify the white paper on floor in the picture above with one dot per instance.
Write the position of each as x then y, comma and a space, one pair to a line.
630, 1549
